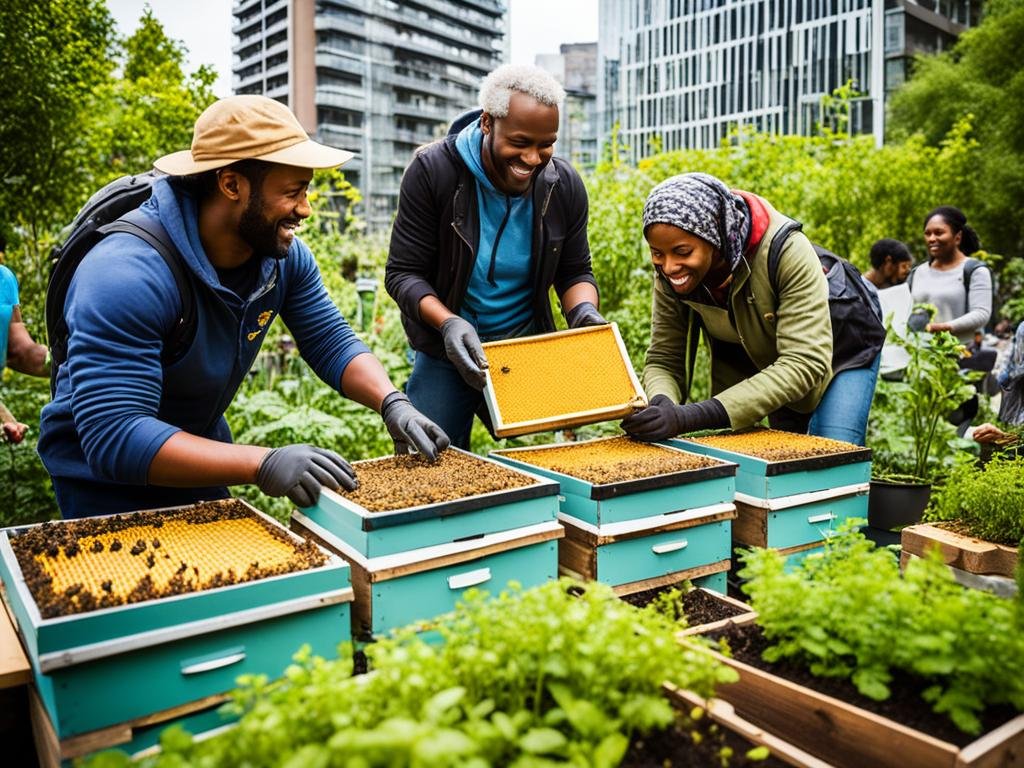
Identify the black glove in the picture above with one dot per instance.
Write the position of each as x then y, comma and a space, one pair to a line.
663, 419
918, 320
407, 425
299, 471
584, 314
462, 345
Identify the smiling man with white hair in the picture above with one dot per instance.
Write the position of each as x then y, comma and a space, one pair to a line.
488, 221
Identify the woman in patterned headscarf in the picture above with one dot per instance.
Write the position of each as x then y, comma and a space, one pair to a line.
770, 340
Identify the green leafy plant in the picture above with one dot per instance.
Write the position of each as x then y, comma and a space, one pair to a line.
848, 613
917, 442
562, 674
988, 500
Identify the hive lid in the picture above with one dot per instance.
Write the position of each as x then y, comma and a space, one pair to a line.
560, 380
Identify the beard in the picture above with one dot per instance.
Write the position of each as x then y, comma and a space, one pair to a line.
260, 233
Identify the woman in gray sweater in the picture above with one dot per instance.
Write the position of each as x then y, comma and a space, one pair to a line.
964, 305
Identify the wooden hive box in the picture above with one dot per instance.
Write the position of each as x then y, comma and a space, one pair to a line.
560, 380
96, 667
413, 561
787, 498
636, 516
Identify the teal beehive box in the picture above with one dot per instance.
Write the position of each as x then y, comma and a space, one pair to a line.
418, 536
97, 664
637, 516
791, 490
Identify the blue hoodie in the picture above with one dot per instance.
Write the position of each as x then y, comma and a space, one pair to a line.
116, 405
499, 295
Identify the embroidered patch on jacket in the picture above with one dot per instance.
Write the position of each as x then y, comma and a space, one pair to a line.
253, 335
264, 317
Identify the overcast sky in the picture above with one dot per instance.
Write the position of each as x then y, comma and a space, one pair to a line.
204, 26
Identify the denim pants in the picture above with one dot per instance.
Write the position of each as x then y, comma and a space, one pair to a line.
843, 411
437, 391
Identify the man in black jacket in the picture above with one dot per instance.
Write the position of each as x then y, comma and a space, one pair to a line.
488, 221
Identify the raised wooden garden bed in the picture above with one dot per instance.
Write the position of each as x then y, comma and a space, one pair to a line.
960, 550
850, 736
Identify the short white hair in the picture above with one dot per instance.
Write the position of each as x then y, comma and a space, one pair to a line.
498, 87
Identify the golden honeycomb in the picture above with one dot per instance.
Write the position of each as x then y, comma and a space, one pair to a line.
80, 565
399, 482
543, 377
610, 460
776, 445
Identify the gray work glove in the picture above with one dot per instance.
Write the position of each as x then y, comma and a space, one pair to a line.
584, 314
300, 471
663, 419
462, 346
408, 427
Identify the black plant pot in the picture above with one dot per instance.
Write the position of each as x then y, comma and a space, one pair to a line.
894, 504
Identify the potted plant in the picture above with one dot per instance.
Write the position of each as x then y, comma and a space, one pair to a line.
911, 439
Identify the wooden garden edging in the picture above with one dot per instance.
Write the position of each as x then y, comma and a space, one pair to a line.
964, 552
850, 737
748, 615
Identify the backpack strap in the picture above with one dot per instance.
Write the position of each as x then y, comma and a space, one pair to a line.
775, 250
153, 234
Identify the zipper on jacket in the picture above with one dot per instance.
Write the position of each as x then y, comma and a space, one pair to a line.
497, 241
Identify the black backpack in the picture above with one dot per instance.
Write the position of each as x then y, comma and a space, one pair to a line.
114, 209
857, 330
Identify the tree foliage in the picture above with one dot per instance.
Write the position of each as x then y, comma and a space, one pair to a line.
981, 79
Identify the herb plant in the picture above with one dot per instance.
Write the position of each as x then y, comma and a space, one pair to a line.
987, 500
849, 614
561, 674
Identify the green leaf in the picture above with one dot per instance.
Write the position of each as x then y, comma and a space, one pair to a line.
542, 741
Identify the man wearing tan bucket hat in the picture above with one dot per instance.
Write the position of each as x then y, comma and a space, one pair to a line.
129, 429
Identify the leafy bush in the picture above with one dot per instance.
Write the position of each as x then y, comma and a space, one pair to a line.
988, 500
561, 674
849, 614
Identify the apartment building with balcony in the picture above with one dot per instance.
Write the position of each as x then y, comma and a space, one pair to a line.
682, 73
376, 77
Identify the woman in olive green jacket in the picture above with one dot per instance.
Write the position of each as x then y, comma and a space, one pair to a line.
771, 352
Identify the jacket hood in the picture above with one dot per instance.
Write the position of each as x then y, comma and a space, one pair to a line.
178, 212
469, 143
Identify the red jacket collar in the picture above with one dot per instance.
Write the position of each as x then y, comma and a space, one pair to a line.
759, 220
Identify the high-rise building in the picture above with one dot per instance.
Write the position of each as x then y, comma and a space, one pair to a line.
681, 73
376, 77
575, 67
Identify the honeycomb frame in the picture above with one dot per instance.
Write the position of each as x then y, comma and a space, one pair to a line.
552, 359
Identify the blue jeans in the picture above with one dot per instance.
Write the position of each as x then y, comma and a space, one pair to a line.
437, 391
843, 411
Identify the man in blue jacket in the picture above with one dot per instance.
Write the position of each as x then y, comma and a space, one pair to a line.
127, 431
488, 221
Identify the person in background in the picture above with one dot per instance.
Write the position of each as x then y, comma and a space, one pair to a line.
488, 221
127, 431
771, 351
940, 282
18, 350
890, 264
11, 430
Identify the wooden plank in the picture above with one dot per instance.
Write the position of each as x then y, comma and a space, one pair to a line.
577, 557
964, 552
671, 578
723, 713
14, 665
750, 527
1000, 748
746, 617
846, 735
52, 752
592, 540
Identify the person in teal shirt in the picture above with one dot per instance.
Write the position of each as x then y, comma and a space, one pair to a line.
17, 349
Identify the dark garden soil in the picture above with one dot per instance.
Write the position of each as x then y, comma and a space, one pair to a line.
675, 748
399, 482
699, 606
905, 706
